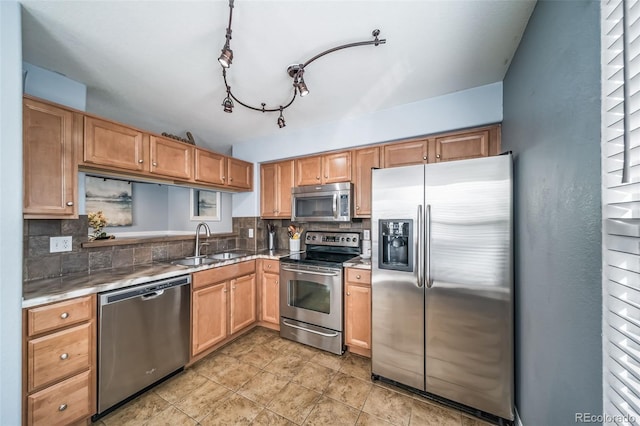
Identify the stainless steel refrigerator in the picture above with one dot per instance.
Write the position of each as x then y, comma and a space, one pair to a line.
442, 280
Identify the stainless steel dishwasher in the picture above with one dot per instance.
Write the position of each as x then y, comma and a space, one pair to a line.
143, 337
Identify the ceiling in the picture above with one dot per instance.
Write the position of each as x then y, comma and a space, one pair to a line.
153, 64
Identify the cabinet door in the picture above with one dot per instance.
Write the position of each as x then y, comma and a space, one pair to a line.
171, 158
309, 170
285, 181
240, 173
358, 316
270, 298
462, 146
243, 302
209, 323
363, 161
337, 167
405, 153
49, 167
210, 167
268, 190
110, 144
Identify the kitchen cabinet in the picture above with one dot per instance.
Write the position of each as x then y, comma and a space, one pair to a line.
276, 181
171, 158
50, 178
364, 160
220, 170
463, 146
115, 146
270, 293
357, 310
223, 302
323, 169
405, 153
59, 358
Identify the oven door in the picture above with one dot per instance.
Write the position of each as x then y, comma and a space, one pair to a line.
311, 294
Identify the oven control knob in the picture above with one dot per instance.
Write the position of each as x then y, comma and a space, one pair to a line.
308, 237
348, 239
314, 238
355, 239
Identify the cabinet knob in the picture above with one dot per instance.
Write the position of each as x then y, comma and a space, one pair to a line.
277, 282
437, 155
64, 315
424, 157
154, 164
224, 177
140, 161
318, 177
230, 179
357, 207
326, 177
357, 277
269, 266
348, 294
233, 288
62, 407
64, 356
69, 203
224, 291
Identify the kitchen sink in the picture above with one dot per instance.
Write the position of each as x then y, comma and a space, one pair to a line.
193, 261
226, 255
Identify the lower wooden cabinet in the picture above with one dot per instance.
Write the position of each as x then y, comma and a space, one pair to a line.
59, 362
357, 310
270, 293
223, 302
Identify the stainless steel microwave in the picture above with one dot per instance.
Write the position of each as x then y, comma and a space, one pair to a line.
322, 203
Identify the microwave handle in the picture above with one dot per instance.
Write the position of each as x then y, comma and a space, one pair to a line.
335, 206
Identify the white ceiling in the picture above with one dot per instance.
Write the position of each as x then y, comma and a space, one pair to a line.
153, 64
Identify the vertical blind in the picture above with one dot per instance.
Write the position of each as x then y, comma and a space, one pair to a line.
620, 27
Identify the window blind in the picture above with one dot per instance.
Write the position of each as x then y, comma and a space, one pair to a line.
620, 26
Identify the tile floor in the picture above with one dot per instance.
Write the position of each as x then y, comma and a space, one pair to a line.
262, 379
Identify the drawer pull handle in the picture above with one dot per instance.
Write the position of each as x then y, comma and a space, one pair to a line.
268, 266
64, 315
64, 356
62, 407
69, 203
357, 277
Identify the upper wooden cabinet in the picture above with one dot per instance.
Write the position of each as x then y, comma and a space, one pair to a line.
405, 153
323, 169
171, 158
239, 173
364, 160
209, 167
276, 181
113, 145
50, 136
467, 145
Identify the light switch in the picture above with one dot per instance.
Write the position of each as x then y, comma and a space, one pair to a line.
250, 232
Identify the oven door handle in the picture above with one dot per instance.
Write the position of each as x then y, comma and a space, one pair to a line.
326, 274
310, 331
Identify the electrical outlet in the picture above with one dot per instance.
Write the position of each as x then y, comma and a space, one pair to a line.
250, 232
59, 244
366, 235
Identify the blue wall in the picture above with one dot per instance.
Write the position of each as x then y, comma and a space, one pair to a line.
552, 123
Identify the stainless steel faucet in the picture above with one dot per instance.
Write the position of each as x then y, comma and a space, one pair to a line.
208, 232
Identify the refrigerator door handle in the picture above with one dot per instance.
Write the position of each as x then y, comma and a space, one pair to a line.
420, 249
427, 237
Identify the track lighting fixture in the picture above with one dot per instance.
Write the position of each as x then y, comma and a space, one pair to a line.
295, 71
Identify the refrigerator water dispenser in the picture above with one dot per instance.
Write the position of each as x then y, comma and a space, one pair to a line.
396, 245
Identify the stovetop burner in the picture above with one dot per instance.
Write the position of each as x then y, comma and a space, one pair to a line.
327, 249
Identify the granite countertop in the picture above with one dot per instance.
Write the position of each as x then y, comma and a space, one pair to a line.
49, 290
358, 263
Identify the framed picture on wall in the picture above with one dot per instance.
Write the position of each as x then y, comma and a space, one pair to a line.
110, 196
205, 205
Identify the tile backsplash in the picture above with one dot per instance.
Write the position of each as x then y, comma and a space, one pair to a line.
38, 263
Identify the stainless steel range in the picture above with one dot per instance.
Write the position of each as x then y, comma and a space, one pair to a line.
311, 306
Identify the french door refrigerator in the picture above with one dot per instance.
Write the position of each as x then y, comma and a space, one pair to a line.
442, 281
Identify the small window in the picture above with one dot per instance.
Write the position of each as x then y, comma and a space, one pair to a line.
205, 205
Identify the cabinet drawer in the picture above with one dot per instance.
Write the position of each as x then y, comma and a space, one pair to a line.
362, 276
223, 273
57, 315
62, 404
58, 355
272, 266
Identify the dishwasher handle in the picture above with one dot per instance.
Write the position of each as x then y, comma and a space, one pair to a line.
152, 295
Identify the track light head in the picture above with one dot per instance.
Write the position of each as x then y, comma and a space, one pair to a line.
281, 122
226, 57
